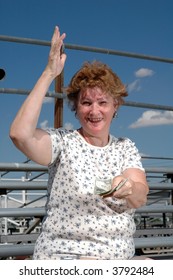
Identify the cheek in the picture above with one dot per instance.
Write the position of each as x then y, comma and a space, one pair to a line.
81, 113
83, 109
110, 112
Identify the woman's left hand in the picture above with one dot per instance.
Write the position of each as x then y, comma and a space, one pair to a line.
126, 188
135, 189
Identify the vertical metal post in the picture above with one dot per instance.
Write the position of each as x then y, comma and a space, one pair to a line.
170, 176
58, 111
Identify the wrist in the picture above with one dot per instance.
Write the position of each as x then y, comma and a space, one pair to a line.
48, 75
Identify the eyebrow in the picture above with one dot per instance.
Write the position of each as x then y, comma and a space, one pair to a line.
89, 98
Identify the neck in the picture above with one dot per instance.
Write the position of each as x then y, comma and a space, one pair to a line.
94, 140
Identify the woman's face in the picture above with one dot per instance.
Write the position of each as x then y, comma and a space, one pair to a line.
95, 111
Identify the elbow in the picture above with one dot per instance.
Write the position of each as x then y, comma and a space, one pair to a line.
137, 202
142, 199
15, 136
141, 203
12, 134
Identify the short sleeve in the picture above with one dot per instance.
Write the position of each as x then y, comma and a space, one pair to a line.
131, 156
56, 136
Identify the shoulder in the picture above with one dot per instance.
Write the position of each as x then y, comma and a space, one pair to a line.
124, 145
59, 132
121, 141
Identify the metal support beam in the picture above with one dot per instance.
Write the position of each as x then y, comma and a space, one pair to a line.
42, 185
142, 242
152, 242
86, 48
41, 211
23, 212
58, 112
58, 96
14, 166
16, 250
19, 185
5, 166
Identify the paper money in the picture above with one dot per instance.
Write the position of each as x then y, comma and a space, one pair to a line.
102, 186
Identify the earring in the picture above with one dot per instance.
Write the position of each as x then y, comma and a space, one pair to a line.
76, 116
115, 115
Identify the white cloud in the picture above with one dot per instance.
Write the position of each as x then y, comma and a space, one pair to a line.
134, 86
48, 100
153, 118
144, 72
141, 73
44, 124
68, 126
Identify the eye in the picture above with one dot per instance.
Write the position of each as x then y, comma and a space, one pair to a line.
86, 103
102, 103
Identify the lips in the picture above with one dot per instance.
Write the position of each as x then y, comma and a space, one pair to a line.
94, 120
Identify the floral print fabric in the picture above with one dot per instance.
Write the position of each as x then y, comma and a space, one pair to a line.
78, 221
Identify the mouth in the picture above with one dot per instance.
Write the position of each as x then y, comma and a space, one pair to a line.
94, 120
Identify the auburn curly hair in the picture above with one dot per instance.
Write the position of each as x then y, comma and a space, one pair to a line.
95, 74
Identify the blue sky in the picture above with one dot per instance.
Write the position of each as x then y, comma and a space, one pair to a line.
142, 27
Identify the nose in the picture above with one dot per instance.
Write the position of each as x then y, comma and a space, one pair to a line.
94, 109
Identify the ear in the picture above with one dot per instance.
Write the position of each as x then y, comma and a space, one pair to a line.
116, 105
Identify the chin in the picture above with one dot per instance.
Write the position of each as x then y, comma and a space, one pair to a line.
96, 131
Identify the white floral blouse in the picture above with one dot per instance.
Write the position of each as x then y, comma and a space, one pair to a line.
78, 221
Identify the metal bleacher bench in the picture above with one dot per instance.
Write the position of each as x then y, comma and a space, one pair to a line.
26, 249
23, 244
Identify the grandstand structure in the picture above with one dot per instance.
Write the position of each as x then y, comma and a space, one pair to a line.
23, 186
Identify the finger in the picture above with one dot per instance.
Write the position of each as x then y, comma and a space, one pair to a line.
57, 40
63, 58
56, 35
123, 193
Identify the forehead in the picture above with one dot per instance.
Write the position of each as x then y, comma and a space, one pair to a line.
94, 93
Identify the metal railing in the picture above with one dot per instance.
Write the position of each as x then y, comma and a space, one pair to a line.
160, 203
18, 244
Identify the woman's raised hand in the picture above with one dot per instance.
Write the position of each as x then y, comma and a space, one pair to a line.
56, 59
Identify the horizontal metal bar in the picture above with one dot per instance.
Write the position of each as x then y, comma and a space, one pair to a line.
14, 166
154, 232
118, 53
152, 242
166, 170
22, 212
14, 238
27, 92
24, 40
160, 186
27, 185
86, 48
42, 185
63, 96
154, 157
41, 211
155, 209
7, 250
148, 106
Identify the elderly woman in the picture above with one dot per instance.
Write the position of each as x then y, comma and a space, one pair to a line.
96, 181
